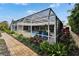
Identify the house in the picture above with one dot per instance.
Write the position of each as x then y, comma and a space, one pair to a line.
44, 21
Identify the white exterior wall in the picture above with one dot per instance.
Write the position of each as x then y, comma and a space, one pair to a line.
19, 27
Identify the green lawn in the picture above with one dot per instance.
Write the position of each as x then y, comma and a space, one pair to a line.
3, 48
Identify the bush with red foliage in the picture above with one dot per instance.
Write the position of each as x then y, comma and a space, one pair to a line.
36, 40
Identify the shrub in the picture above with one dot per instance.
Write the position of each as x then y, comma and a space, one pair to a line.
36, 40
57, 49
20, 37
12, 32
9, 31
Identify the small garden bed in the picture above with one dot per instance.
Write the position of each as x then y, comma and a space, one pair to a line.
65, 47
41, 47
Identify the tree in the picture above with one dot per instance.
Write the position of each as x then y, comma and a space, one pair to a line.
3, 25
73, 19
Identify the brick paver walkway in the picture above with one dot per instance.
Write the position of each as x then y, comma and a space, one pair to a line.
16, 48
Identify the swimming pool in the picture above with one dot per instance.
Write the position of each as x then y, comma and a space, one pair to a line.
33, 33
41, 34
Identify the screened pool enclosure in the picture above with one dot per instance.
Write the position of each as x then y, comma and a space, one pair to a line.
44, 23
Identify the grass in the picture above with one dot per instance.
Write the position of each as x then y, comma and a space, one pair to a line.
3, 48
2, 42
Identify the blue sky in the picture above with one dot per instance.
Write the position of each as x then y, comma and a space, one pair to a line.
18, 10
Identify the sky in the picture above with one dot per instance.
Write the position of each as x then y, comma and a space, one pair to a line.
15, 11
